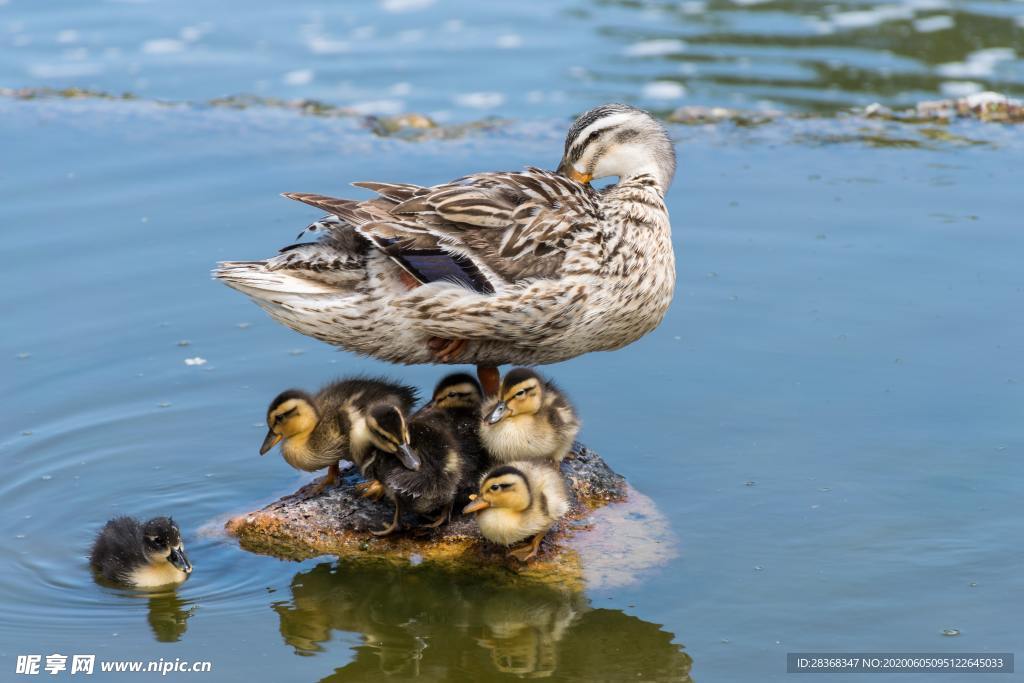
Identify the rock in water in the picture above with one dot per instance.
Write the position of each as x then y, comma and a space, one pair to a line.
611, 533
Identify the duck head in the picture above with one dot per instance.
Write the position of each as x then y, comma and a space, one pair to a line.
503, 487
290, 414
521, 393
389, 433
163, 543
617, 140
457, 390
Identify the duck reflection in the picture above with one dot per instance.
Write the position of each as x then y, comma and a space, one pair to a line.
426, 624
168, 616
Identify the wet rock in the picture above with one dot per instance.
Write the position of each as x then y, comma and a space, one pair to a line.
991, 107
392, 125
693, 115
611, 533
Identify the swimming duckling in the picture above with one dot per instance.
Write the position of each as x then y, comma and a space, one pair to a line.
318, 431
531, 419
458, 398
144, 555
517, 501
417, 462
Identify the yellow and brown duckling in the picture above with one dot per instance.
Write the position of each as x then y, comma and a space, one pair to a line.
417, 462
144, 555
520, 501
458, 399
530, 419
317, 431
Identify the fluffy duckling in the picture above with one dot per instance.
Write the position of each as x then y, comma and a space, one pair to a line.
530, 419
144, 555
517, 501
317, 431
458, 399
417, 462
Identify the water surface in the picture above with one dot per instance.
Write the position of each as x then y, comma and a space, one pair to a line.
829, 417
462, 60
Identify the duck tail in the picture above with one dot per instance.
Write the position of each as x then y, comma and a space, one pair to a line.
258, 281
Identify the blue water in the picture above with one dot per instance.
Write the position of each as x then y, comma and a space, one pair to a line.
830, 417
458, 60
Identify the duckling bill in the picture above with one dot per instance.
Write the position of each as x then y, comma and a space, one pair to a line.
318, 431
142, 555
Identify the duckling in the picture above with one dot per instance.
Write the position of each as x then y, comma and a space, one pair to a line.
417, 462
530, 419
143, 555
457, 398
517, 501
317, 431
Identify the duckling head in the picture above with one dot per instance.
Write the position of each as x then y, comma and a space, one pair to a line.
163, 543
291, 414
521, 393
389, 433
503, 487
457, 390
621, 141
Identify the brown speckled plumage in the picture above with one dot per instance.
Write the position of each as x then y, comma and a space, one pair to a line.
535, 267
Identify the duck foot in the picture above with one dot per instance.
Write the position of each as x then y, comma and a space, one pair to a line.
529, 551
331, 479
373, 489
490, 379
446, 516
390, 528
447, 350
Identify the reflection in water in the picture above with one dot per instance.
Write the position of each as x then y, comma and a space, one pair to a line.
420, 623
823, 55
168, 616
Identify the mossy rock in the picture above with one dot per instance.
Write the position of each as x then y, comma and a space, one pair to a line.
611, 533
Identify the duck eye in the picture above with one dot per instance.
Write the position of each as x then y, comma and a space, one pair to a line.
452, 394
495, 487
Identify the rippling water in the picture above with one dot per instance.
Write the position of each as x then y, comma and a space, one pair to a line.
829, 417
459, 61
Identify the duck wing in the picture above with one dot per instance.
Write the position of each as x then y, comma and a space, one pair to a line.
482, 230
429, 487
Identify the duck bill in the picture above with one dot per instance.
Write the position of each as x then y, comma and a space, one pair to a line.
569, 171
269, 442
476, 506
180, 560
408, 457
498, 414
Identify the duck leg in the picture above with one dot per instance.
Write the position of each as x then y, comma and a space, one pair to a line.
391, 528
446, 515
490, 379
528, 551
332, 477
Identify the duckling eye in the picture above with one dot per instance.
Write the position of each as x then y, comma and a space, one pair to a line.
521, 393
495, 487
452, 394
